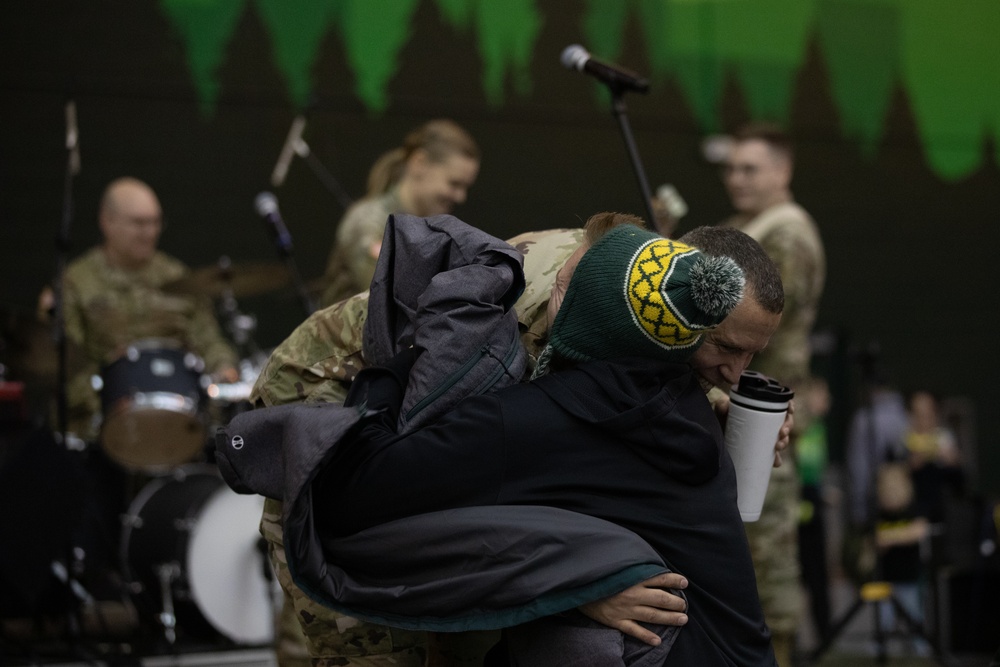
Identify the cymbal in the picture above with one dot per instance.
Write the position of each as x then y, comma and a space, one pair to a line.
314, 288
246, 279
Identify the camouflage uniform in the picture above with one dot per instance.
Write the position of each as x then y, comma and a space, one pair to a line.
316, 364
791, 239
107, 308
352, 264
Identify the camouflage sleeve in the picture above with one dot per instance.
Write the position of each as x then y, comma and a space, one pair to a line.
317, 362
545, 252
360, 237
800, 266
82, 400
796, 249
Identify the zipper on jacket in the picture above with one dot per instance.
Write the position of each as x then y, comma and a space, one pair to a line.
504, 367
449, 382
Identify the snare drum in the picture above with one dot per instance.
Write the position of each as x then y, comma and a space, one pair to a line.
192, 544
152, 399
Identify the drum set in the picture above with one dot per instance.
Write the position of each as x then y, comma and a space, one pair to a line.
191, 556
133, 538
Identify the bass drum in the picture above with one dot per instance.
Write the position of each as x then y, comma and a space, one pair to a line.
152, 401
191, 543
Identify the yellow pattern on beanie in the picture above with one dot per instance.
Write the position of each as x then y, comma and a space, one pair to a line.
649, 272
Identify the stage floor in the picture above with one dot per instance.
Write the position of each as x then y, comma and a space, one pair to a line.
854, 647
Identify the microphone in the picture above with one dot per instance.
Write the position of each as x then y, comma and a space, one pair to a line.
288, 151
576, 57
267, 208
72, 138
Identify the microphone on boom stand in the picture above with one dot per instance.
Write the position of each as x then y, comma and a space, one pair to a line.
619, 80
295, 145
266, 205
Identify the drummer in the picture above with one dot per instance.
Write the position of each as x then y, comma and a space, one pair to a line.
113, 297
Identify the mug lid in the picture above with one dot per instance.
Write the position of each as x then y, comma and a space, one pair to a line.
754, 384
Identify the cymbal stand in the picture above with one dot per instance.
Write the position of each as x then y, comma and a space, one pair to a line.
240, 325
80, 597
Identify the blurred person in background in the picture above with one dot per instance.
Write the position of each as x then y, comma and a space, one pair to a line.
429, 174
757, 174
811, 457
113, 300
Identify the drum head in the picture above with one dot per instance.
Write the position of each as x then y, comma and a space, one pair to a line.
152, 439
226, 568
151, 399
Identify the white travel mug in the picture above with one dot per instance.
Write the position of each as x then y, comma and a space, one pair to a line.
757, 407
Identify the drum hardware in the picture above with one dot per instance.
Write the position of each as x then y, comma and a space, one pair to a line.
167, 573
92, 617
71, 442
190, 557
68, 577
240, 325
229, 399
229, 392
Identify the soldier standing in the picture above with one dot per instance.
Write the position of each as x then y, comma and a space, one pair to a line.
757, 174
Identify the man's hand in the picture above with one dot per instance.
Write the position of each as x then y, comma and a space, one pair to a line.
720, 404
784, 434
646, 602
227, 374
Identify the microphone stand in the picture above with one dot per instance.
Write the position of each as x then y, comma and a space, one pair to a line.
620, 112
323, 174
284, 246
63, 244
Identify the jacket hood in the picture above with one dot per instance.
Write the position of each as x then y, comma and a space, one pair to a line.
656, 408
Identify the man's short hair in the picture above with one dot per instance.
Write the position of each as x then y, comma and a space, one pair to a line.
600, 224
763, 279
770, 133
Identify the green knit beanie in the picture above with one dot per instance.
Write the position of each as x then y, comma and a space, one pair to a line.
635, 293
